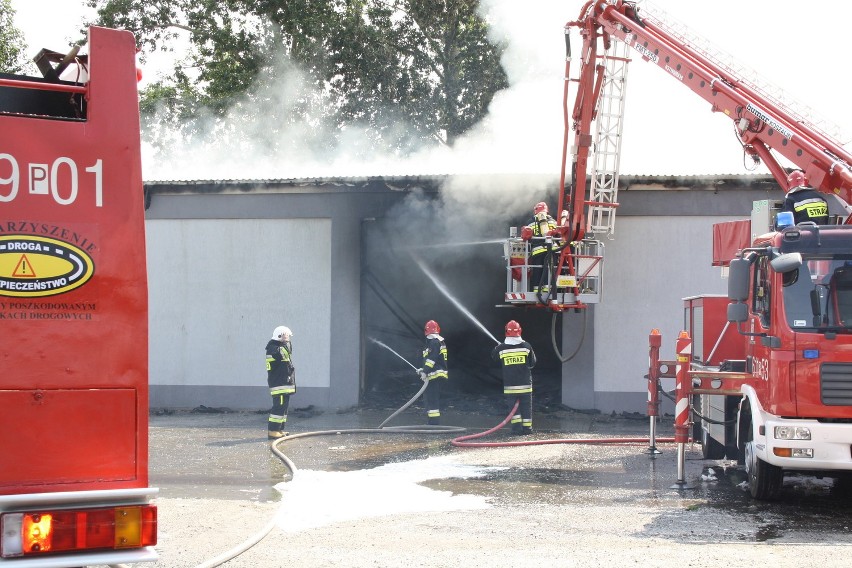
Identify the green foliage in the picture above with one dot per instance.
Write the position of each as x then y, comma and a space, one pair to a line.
404, 72
12, 44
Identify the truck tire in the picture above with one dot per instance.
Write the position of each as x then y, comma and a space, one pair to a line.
764, 479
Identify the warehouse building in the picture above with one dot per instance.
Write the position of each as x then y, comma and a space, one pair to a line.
355, 266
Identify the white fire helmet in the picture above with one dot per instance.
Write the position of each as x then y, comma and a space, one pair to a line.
280, 332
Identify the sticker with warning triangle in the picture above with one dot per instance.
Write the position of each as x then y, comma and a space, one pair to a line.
24, 268
33, 266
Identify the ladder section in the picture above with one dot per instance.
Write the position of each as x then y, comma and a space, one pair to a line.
742, 74
603, 190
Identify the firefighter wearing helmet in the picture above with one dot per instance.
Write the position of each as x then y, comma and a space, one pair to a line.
281, 378
517, 358
803, 201
537, 231
434, 370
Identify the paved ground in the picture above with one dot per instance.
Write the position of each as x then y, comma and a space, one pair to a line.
401, 500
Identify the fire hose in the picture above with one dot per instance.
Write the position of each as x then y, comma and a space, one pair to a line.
382, 429
462, 441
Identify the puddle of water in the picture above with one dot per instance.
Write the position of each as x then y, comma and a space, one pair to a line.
319, 498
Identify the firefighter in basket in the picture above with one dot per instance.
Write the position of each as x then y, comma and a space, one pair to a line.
540, 232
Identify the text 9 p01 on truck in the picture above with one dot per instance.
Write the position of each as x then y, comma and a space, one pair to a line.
74, 313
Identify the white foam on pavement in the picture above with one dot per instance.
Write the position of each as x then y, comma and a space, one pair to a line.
318, 498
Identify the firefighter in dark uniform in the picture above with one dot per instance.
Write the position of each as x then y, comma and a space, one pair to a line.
281, 377
434, 370
803, 201
537, 231
517, 357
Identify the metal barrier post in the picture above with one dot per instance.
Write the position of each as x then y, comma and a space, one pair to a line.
655, 340
684, 354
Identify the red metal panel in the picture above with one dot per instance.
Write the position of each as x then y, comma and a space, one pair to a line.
713, 340
73, 287
728, 239
68, 437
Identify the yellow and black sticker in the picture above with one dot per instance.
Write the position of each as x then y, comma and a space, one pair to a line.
33, 266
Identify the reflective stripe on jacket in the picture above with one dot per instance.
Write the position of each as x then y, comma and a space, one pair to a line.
516, 357
540, 229
435, 357
806, 204
279, 367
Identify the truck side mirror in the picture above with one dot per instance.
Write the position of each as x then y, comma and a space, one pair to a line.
786, 262
737, 313
738, 280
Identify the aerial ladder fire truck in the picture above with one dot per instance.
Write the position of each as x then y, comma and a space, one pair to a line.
74, 313
769, 377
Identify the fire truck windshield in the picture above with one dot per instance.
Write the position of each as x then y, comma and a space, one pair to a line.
818, 295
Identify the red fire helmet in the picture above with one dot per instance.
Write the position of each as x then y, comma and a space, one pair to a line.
796, 178
431, 327
513, 329
540, 207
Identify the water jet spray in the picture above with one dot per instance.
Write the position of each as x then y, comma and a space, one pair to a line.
455, 244
394, 352
450, 297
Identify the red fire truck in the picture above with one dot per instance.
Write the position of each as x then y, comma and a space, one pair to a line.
771, 364
74, 313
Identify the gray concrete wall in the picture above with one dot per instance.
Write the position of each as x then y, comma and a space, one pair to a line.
652, 265
218, 287
261, 258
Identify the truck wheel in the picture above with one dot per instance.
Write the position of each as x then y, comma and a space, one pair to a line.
764, 479
711, 449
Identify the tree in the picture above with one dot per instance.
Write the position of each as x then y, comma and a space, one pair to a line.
373, 64
12, 44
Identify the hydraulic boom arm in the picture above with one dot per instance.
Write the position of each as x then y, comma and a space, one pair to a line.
762, 124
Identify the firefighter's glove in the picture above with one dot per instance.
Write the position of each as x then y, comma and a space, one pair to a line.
422, 375
526, 233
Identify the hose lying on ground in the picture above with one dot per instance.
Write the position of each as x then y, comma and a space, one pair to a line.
382, 429
462, 442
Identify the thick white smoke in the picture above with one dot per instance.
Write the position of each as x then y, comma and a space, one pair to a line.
521, 135
668, 130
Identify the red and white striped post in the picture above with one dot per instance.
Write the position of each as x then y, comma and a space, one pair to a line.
684, 354
655, 340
